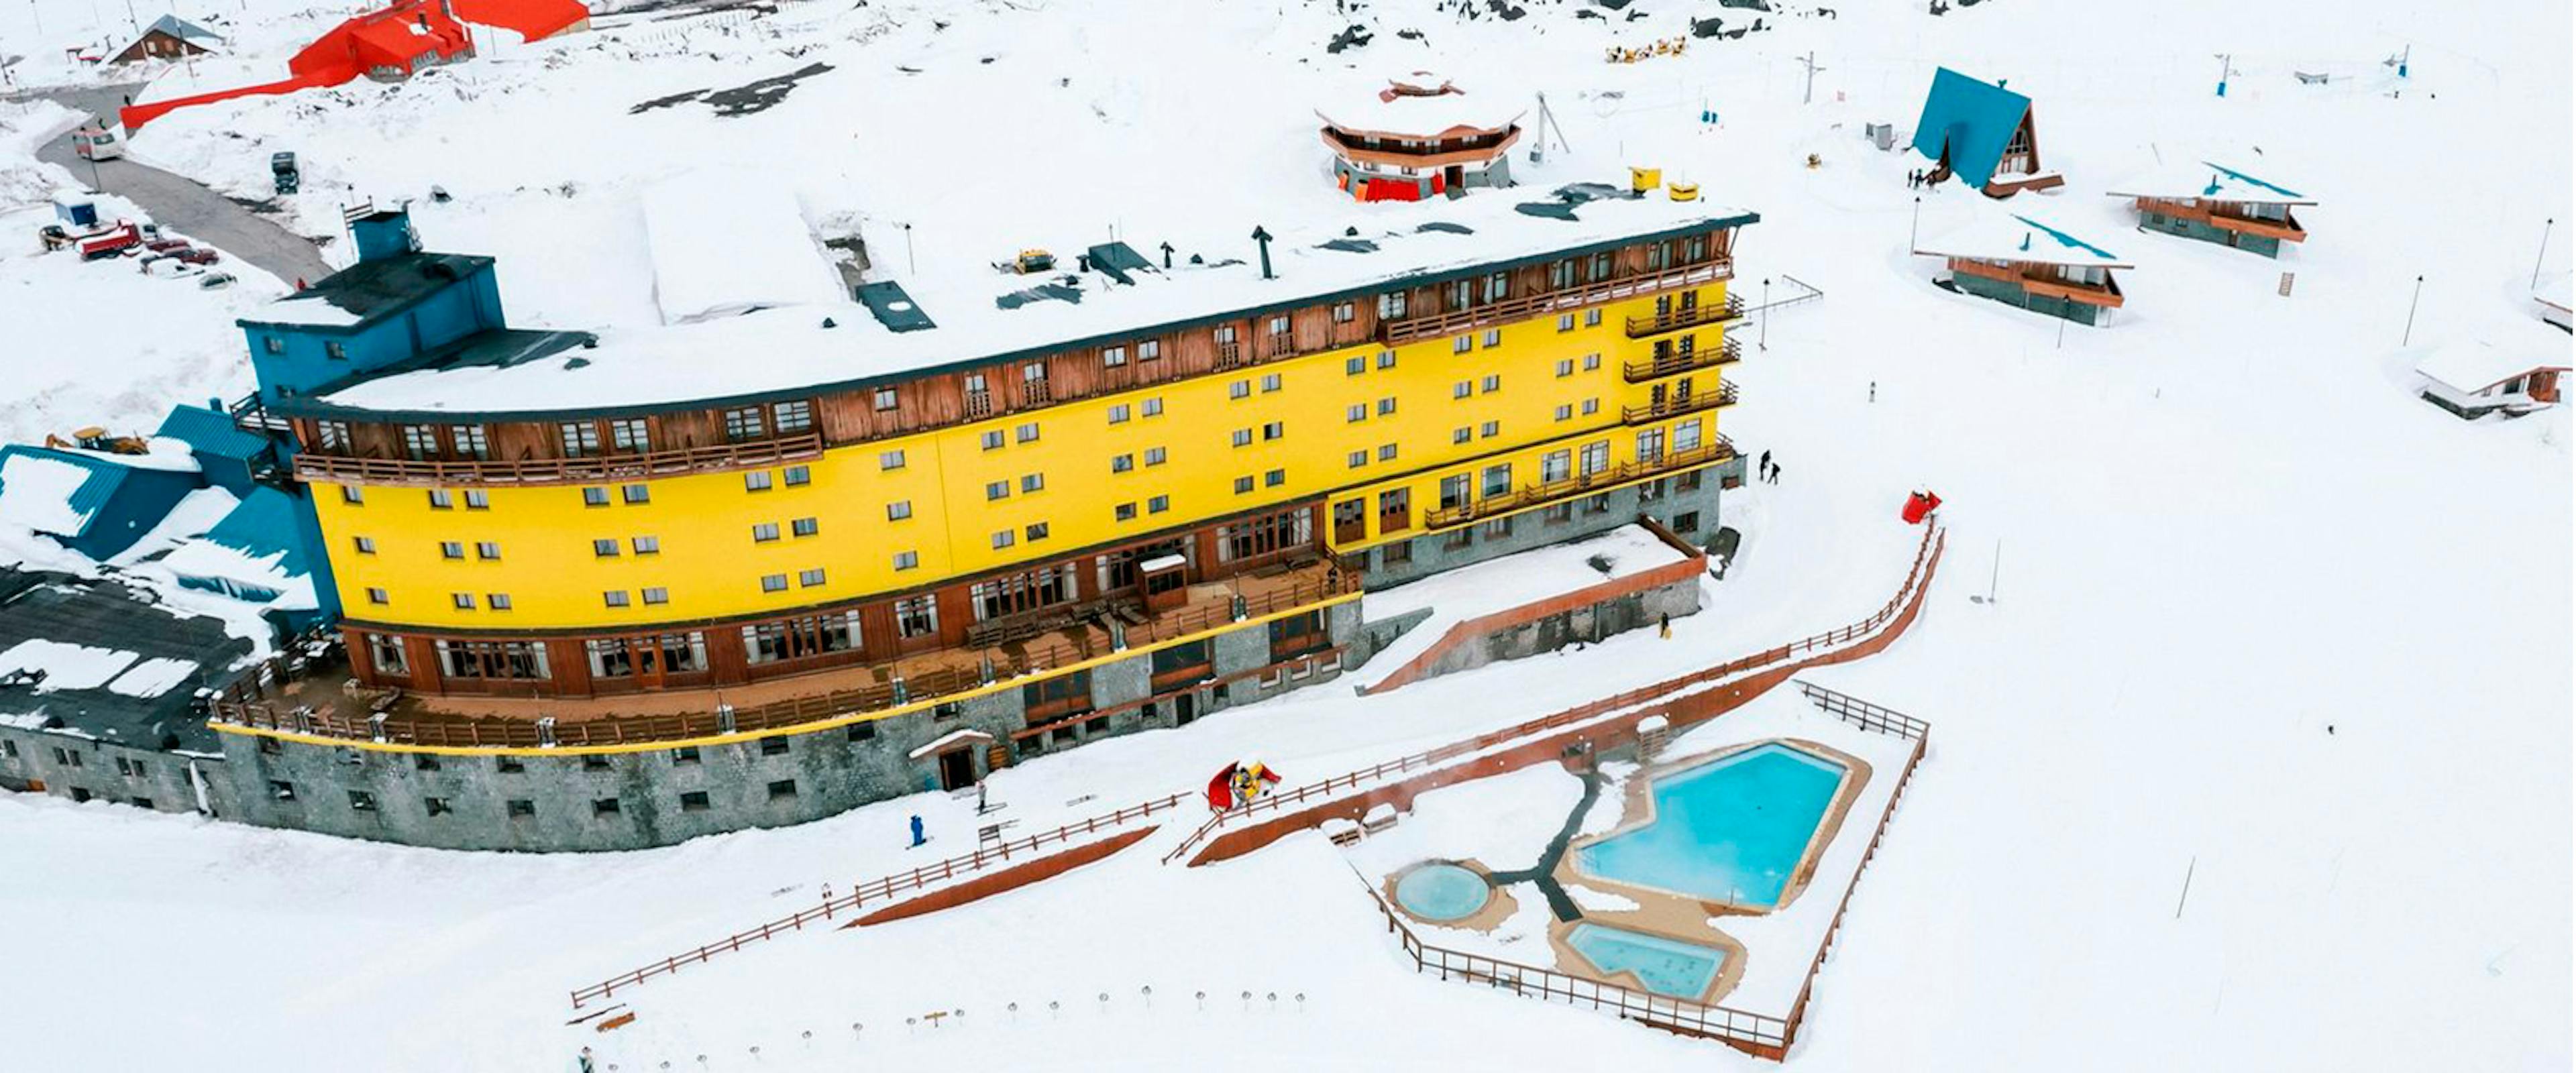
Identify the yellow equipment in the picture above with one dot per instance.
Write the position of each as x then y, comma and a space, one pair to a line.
1033, 261
1683, 191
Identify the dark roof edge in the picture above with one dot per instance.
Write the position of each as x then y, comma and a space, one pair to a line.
483, 262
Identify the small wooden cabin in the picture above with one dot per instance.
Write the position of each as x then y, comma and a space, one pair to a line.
2216, 203
1421, 137
168, 38
2019, 261
2474, 378
1982, 133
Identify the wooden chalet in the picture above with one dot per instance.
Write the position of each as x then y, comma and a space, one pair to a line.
1982, 133
2215, 203
2015, 259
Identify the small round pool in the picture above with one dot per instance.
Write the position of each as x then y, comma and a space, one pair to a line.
1441, 891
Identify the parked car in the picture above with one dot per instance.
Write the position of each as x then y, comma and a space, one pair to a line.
95, 142
216, 280
168, 265
197, 255
166, 245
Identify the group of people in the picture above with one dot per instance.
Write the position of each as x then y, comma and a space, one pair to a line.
1765, 470
1919, 179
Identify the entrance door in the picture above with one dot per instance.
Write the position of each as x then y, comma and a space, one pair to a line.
956, 769
1185, 708
1457, 176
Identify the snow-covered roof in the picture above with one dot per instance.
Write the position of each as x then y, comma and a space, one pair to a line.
726, 243
1162, 562
2207, 179
1389, 111
1996, 235
2475, 364
178, 28
987, 316
2558, 290
40, 492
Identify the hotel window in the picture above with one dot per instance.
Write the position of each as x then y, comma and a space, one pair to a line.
1358, 459
388, 655
469, 441
1650, 444
916, 616
594, 497
1490, 429
1386, 452
477, 499
487, 549
1462, 389
1493, 382
1657, 254
1560, 275
1498, 528
1037, 531
366, 545
757, 480
1125, 512
627, 434
1556, 466
992, 439
1462, 344
1463, 434
1565, 367
1390, 305
1355, 412
1154, 406
497, 601
1004, 538
350, 494
764, 532
1113, 356
645, 545
1386, 359
806, 578
773, 583
797, 475
636, 494
1592, 317
1565, 322
1243, 437
805, 527
1270, 382
1274, 430
1279, 325
890, 460
1345, 312
1033, 482
440, 500
451, 549
797, 638
1565, 412
1118, 414
1498, 480
1353, 366
1498, 286
336, 351
1386, 406
1591, 406
331, 435
1696, 249
796, 416
1686, 435
1262, 536
906, 560
580, 438
885, 399
1600, 267
1027, 433
614, 598
377, 596
1016, 593
1460, 294
273, 344
1154, 456
1596, 457
603, 549
1275, 478
1158, 504
1121, 463
1242, 485
742, 423
1240, 389
1493, 337
997, 490
464, 600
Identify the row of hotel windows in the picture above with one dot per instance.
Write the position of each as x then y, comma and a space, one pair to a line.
520, 808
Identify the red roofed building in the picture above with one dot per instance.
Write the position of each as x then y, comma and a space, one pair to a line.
387, 45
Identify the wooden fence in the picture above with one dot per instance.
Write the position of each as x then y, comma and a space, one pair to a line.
1868, 717
881, 889
1933, 541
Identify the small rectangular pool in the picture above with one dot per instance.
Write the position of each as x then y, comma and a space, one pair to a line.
1668, 967
1731, 830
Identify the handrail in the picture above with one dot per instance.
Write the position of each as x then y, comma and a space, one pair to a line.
1865, 715
879, 889
1725, 353
1726, 395
1726, 312
235, 702
600, 468
1429, 325
1934, 538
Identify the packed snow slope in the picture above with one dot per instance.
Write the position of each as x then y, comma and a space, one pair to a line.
2259, 759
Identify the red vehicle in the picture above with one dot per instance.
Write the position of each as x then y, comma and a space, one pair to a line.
197, 255
111, 242
166, 245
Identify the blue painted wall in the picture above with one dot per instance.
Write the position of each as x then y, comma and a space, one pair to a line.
303, 362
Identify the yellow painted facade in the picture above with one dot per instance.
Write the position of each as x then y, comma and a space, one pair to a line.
1292, 428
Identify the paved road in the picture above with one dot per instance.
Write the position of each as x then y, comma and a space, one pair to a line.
182, 204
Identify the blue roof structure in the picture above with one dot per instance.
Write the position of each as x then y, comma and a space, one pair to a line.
1971, 120
2215, 187
211, 432
94, 491
262, 526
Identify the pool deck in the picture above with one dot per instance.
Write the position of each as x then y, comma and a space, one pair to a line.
1639, 812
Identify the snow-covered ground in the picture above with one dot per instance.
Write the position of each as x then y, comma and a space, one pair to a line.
1502, 584
2264, 619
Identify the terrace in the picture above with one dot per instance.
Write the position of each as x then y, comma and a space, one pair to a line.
320, 698
1719, 449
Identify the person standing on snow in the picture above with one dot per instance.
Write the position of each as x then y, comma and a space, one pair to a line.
917, 837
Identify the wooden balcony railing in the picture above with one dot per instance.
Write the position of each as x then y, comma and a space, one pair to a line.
245, 702
1230, 356
1432, 325
1725, 395
1719, 449
593, 469
1726, 312
1659, 367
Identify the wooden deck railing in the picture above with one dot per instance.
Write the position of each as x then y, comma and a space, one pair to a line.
590, 469
244, 701
1934, 538
1728, 311
1433, 325
1726, 353
1753, 1031
1717, 449
1725, 395
883, 888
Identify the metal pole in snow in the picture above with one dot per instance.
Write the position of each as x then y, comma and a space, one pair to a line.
2544, 252
909, 268
1913, 233
1764, 343
2409, 337
2186, 885
1998, 572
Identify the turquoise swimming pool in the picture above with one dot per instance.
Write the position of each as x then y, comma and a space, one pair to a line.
1666, 966
1441, 891
1732, 830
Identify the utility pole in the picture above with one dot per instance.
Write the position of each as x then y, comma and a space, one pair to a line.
2223, 59
909, 268
2544, 252
1810, 60
1764, 343
2409, 337
1913, 234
